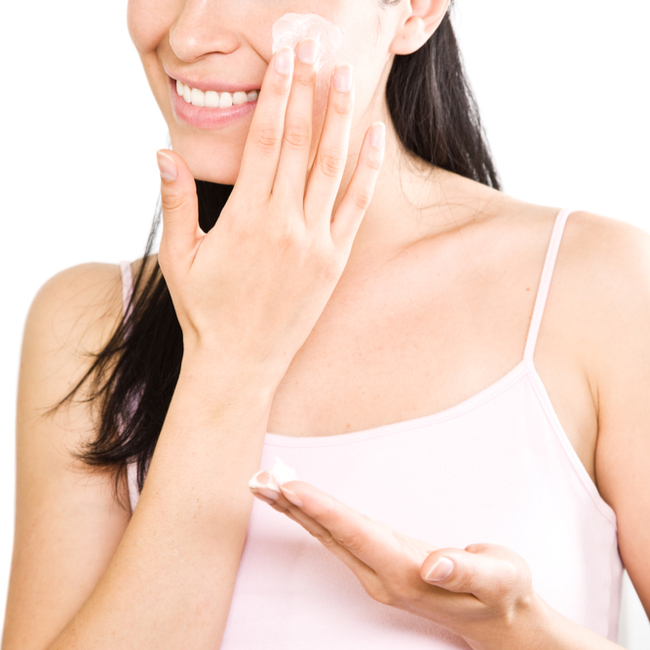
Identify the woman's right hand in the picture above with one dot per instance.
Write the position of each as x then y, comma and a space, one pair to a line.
253, 288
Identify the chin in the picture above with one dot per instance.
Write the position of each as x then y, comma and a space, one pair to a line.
212, 177
210, 160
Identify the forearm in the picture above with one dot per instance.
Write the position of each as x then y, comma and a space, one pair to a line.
171, 579
543, 628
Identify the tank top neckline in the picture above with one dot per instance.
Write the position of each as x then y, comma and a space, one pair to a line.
526, 367
485, 394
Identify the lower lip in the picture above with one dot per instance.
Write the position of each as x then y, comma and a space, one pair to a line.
207, 118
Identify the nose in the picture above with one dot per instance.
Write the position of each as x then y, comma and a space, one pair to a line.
201, 29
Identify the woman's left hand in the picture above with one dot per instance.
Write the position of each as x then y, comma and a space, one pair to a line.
483, 593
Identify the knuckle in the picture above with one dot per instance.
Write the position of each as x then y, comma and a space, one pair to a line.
171, 202
362, 198
325, 538
303, 77
268, 139
331, 164
343, 105
353, 542
279, 87
467, 580
374, 163
297, 135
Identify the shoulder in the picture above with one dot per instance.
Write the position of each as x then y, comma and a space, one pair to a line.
600, 296
607, 271
75, 312
71, 319
80, 284
77, 307
84, 303
608, 243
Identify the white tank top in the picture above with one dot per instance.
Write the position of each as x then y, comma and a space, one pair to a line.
497, 468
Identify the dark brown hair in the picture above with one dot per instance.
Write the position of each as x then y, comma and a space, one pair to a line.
131, 381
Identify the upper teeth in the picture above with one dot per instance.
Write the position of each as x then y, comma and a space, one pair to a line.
212, 99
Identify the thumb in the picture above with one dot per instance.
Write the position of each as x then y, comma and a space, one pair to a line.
493, 574
180, 210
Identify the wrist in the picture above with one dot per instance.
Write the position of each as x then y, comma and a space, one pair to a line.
537, 626
255, 362
217, 372
520, 628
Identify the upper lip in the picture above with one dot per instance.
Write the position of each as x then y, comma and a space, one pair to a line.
215, 85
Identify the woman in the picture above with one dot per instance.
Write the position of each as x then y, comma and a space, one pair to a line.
358, 316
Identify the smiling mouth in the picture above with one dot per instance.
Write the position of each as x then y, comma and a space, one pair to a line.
212, 99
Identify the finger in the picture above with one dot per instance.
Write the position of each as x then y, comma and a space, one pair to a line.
359, 193
327, 171
366, 575
264, 487
180, 211
371, 542
494, 574
296, 143
262, 150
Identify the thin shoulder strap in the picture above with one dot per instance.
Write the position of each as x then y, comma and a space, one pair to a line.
127, 291
127, 286
545, 283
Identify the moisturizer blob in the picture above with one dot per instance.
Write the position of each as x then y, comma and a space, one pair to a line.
280, 474
283, 473
293, 28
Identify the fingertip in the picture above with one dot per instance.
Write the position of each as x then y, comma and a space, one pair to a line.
441, 570
378, 135
291, 496
284, 60
167, 166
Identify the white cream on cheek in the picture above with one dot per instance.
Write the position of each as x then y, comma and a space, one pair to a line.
293, 28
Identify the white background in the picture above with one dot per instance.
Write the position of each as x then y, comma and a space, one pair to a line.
563, 88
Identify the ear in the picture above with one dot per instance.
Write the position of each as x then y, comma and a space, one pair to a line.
418, 22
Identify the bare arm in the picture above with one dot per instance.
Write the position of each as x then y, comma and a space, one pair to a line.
171, 576
247, 295
623, 449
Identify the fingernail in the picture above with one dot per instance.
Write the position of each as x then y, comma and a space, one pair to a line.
167, 166
343, 79
284, 60
308, 51
378, 135
291, 496
270, 494
441, 570
264, 484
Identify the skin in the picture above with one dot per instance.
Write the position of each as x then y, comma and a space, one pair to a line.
389, 223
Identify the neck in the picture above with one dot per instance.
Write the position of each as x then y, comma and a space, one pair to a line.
413, 200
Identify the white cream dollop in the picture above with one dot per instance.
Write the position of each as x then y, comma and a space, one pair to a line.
293, 28
280, 474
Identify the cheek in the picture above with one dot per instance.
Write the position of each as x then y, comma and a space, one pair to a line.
149, 22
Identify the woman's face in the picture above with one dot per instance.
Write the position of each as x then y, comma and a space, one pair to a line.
226, 45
